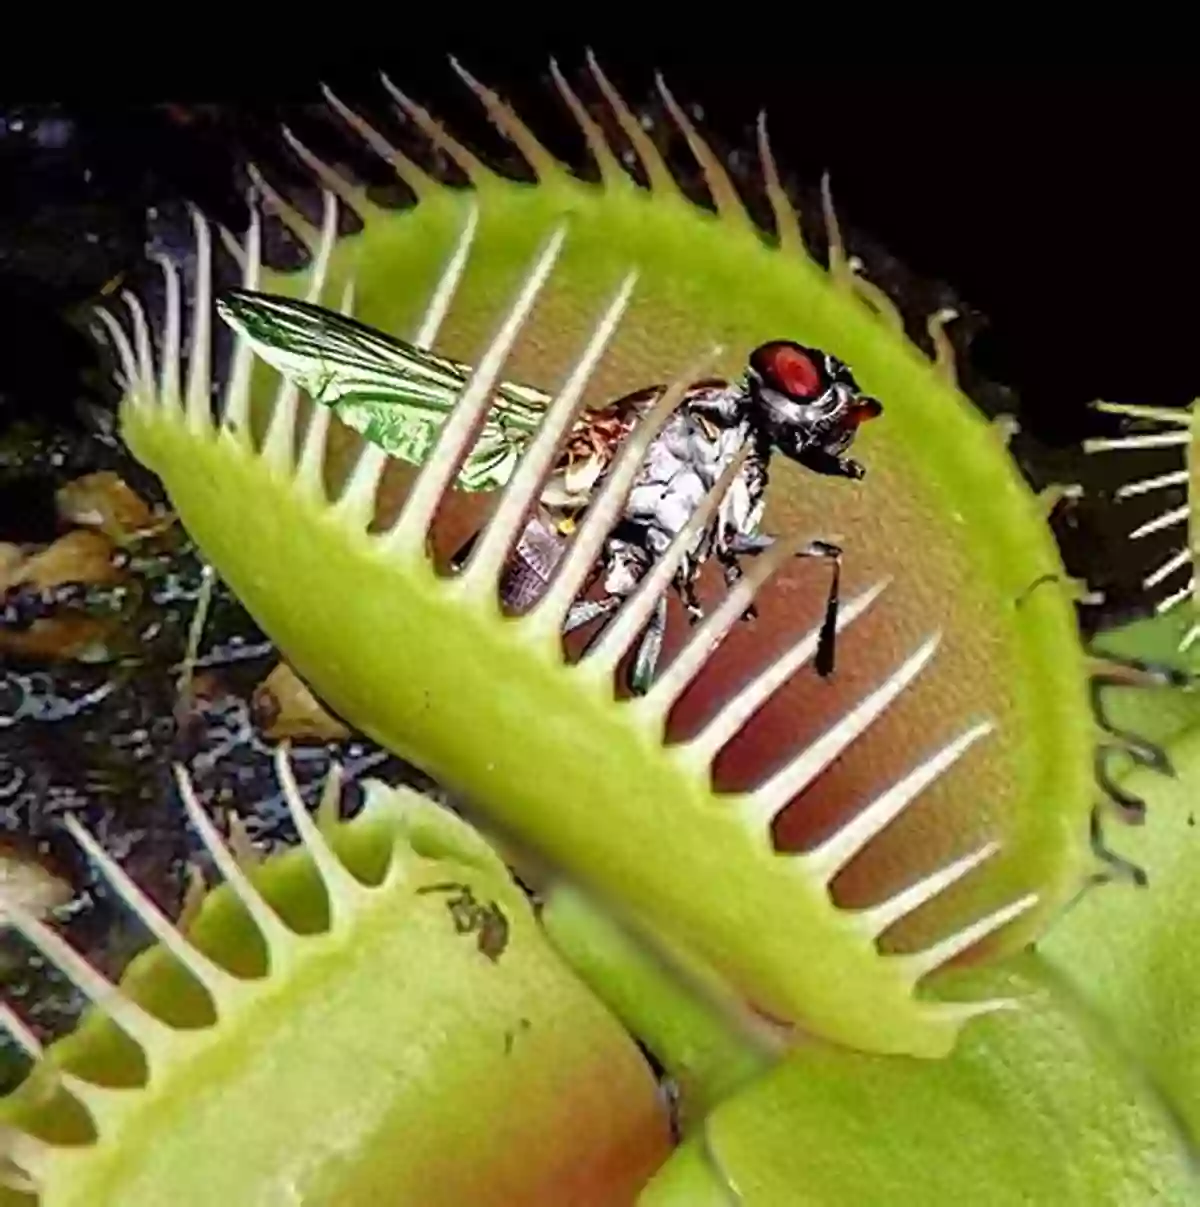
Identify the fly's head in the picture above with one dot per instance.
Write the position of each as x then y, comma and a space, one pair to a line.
808, 405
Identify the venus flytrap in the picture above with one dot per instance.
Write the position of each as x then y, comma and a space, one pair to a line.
1174, 578
821, 886
371, 1017
815, 854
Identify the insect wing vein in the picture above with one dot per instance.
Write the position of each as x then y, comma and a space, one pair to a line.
395, 395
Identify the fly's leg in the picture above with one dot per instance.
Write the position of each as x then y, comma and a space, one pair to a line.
685, 584
584, 611
830, 464
624, 566
742, 544
649, 650
749, 545
827, 640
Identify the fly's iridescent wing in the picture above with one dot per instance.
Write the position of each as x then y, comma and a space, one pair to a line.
395, 394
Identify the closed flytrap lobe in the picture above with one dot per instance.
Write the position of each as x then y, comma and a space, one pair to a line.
968, 810
265, 1049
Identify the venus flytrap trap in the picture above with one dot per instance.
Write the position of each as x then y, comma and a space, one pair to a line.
371, 1017
1174, 579
822, 886
1157, 651
618, 770
812, 853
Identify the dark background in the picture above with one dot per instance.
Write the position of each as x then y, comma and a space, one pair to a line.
1059, 204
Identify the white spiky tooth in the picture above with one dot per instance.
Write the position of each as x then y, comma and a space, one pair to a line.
1173, 416
223, 987
721, 189
352, 195
488, 558
687, 664
297, 224
410, 532
474, 168
548, 615
15, 1025
241, 845
1168, 519
1189, 639
760, 807
1110, 444
505, 118
279, 444
144, 1028
229, 241
920, 964
658, 174
827, 860
183, 687
878, 918
142, 343
172, 346
738, 711
235, 414
198, 404
344, 890
360, 125
1169, 567
30, 1158
128, 362
611, 173
1178, 477
325, 246
96, 1097
444, 291
958, 1014
310, 466
623, 630
1175, 598
279, 939
356, 504
329, 807
195, 891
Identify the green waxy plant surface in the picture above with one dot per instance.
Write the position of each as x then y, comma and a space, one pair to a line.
815, 849
1034, 1107
1131, 952
705, 1057
373, 1017
1157, 715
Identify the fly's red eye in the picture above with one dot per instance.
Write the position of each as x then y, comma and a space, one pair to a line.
791, 370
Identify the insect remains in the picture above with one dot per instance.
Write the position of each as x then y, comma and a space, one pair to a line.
792, 399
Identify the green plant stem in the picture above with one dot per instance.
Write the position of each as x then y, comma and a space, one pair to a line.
700, 1047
